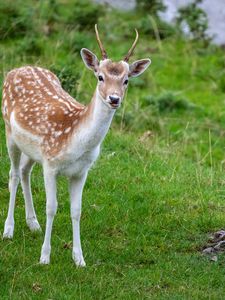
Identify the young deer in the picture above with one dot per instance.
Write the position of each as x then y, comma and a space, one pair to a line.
45, 124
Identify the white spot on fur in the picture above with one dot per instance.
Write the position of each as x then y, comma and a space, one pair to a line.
67, 130
58, 133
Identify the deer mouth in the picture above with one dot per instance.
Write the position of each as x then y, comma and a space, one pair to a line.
114, 105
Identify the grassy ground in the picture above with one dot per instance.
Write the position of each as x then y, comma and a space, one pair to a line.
152, 198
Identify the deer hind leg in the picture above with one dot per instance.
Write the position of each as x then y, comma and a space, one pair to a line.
14, 178
26, 165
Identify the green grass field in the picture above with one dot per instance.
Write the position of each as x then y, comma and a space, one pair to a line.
156, 192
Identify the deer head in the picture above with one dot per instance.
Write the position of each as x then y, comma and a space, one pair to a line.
112, 76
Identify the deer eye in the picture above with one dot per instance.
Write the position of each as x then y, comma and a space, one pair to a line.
100, 78
126, 81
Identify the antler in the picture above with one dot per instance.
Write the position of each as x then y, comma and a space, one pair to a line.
130, 52
104, 54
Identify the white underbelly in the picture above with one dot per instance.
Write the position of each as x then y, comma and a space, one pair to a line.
28, 143
74, 163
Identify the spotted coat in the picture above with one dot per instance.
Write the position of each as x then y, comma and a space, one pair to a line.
42, 106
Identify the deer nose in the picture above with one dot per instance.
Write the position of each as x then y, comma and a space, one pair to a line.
114, 99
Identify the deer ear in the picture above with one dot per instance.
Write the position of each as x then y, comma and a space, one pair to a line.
90, 59
138, 67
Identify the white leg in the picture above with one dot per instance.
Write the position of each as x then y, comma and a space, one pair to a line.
14, 155
26, 165
76, 188
51, 208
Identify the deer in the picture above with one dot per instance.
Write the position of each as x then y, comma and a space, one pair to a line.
45, 125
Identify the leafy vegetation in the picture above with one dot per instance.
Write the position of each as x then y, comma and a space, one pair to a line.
196, 19
157, 190
151, 6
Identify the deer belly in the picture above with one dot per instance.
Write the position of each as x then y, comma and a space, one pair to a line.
26, 142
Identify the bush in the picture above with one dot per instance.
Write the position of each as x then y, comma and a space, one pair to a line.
150, 6
149, 112
147, 26
196, 20
167, 102
21, 18
222, 83
14, 21
68, 76
75, 41
84, 14
30, 45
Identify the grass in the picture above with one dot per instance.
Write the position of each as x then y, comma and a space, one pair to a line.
147, 211
151, 200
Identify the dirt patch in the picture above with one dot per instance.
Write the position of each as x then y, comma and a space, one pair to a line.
215, 245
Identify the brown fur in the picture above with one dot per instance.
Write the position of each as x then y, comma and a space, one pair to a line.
114, 73
114, 68
41, 106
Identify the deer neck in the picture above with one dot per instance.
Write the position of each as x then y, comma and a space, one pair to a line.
96, 122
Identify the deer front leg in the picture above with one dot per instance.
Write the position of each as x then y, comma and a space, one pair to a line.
76, 188
51, 208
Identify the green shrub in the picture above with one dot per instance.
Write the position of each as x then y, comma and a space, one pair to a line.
149, 112
150, 6
21, 18
30, 45
138, 120
68, 76
152, 26
50, 11
75, 41
196, 20
15, 20
167, 102
222, 82
84, 14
